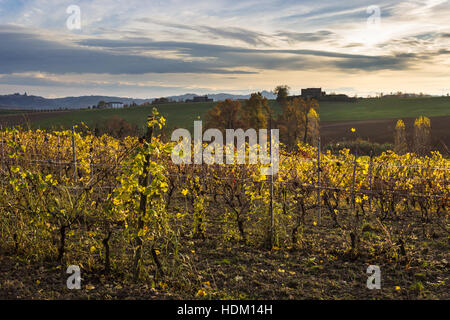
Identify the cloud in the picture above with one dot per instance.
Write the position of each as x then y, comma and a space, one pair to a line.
199, 42
25, 52
337, 12
244, 35
27, 80
273, 59
395, 62
235, 33
353, 45
44, 84
443, 52
308, 36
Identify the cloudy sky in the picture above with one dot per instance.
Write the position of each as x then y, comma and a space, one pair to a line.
146, 48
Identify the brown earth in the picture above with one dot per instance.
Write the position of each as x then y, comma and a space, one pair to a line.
28, 117
239, 271
382, 131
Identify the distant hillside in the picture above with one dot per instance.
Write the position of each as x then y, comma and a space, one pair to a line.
15, 101
222, 96
29, 102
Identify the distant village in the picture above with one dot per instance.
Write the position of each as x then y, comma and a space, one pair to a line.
118, 105
308, 93
195, 99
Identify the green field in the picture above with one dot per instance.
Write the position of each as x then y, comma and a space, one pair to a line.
386, 108
9, 111
183, 114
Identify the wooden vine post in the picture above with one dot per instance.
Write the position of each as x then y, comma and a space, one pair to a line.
145, 181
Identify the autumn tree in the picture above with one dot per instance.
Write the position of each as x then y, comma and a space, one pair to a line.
400, 144
289, 123
231, 114
225, 115
255, 112
282, 93
422, 135
308, 106
313, 130
299, 122
101, 104
116, 127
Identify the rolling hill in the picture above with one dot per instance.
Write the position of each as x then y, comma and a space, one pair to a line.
30, 102
183, 115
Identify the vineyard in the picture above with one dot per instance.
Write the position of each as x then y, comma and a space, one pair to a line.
120, 208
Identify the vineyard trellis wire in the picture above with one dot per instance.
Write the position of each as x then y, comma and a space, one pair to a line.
318, 186
56, 163
99, 170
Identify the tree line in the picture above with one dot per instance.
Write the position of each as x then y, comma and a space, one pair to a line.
298, 121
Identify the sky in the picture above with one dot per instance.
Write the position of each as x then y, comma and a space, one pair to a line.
146, 48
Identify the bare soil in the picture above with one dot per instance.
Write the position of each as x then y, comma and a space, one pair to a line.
323, 270
382, 131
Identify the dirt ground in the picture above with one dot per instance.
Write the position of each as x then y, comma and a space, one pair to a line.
382, 131
238, 271
28, 118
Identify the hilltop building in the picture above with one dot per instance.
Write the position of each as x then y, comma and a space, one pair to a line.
319, 95
313, 93
161, 100
200, 99
114, 105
